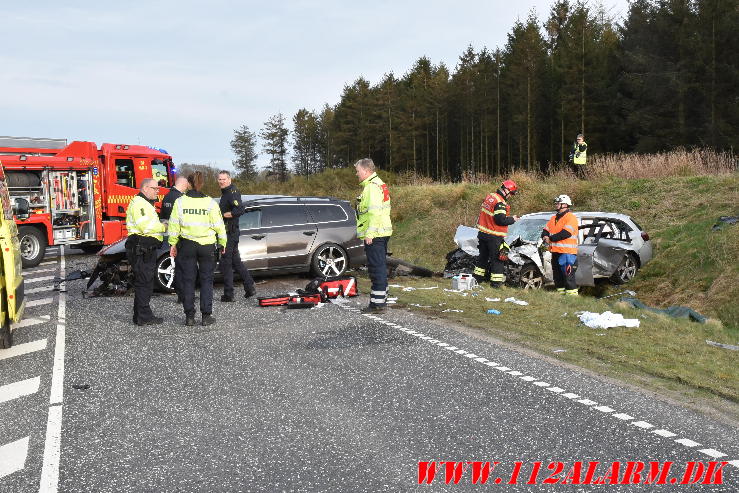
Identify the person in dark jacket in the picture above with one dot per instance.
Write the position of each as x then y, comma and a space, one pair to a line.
181, 185
232, 208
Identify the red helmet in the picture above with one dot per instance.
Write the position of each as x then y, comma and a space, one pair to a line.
510, 185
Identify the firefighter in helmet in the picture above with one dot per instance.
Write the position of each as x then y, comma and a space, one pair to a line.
492, 228
561, 234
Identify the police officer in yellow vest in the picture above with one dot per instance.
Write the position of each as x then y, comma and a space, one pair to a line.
579, 156
561, 235
195, 226
375, 228
145, 234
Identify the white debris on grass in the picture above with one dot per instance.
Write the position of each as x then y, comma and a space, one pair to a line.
606, 320
452, 310
514, 300
722, 345
420, 306
492, 299
394, 286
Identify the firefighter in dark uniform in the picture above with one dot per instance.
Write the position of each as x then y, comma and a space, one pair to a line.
145, 234
231, 208
195, 227
178, 190
492, 228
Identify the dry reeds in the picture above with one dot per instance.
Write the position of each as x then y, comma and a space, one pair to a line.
679, 162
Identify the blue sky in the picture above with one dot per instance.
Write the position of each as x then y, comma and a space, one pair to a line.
183, 75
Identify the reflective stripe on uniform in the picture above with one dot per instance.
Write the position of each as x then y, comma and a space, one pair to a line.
490, 231
497, 277
571, 292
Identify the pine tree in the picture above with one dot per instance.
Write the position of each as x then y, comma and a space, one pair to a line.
244, 144
275, 137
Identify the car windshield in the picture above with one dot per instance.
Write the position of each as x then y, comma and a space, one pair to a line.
528, 229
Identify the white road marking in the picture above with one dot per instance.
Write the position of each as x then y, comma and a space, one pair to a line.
712, 453
664, 433
50, 470
39, 290
687, 442
21, 349
52, 446
13, 456
19, 389
39, 302
48, 262
38, 279
39, 271
32, 321
605, 409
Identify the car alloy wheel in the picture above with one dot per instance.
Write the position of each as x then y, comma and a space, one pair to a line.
330, 260
165, 273
531, 278
626, 270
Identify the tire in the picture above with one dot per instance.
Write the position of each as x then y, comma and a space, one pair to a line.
165, 274
329, 260
33, 245
6, 335
530, 277
626, 270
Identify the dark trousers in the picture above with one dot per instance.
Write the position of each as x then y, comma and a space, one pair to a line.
578, 169
377, 267
489, 265
177, 278
564, 275
143, 262
230, 262
198, 263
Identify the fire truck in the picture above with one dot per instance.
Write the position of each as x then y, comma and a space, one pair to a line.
76, 194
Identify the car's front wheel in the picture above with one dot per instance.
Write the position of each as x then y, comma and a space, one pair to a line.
626, 270
329, 260
165, 273
530, 277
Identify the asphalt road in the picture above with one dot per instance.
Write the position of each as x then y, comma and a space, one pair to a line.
327, 399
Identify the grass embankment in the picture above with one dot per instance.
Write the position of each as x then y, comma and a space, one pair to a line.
693, 266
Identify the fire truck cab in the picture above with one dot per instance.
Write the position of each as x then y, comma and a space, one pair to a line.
77, 193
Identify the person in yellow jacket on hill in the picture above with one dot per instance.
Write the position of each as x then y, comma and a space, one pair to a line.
145, 234
561, 235
579, 156
492, 225
195, 226
374, 228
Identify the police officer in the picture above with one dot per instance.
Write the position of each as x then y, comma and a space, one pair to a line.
231, 208
180, 187
374, 227
492, 228
145, 234
579, 156
561, 234
194, 228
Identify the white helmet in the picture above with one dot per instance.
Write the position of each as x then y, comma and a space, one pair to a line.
563, 199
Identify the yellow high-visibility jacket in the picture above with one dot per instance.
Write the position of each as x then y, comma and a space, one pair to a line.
196, 217
142, 219
373, 209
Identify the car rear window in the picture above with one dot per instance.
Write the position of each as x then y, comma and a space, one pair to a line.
323, 213
283, 215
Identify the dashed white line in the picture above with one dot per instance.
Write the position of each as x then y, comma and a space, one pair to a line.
663, 433
643, 424
542, 384
687, 442
556, 390
21, 349
712, 453
32, 321
528, 378
587, 402
13, 456
624, 417
515, 373
18, 389
39, 271
39, 290
503, 368
39, 302
38, 279
570, 395
604, 409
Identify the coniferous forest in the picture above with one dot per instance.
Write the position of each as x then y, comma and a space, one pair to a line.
664, 76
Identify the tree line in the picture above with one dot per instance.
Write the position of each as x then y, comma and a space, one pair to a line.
666, 77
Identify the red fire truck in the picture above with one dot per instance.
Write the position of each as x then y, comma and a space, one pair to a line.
77, 193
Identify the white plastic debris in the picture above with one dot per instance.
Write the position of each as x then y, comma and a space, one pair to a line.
431, 287
492, 299
420, 306
409, 288
393, 299
518, 302
606, 320
452, 310
463, 282
394, 286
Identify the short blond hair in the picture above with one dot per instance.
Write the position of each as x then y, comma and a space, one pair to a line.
365, 163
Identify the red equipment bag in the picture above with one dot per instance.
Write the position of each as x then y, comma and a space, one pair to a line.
276, 300
333, 287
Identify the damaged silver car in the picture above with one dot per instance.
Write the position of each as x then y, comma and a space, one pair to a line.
610, 246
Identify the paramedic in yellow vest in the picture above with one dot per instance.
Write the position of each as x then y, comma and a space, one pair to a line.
374, 228
561, 235
492, 225
579, 156
195, 227
145, 234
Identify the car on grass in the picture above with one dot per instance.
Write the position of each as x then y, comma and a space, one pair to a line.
610, 246
279, 234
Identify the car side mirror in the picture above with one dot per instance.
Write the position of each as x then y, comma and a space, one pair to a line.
21, 208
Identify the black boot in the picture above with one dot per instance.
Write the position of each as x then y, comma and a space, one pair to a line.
208, 319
